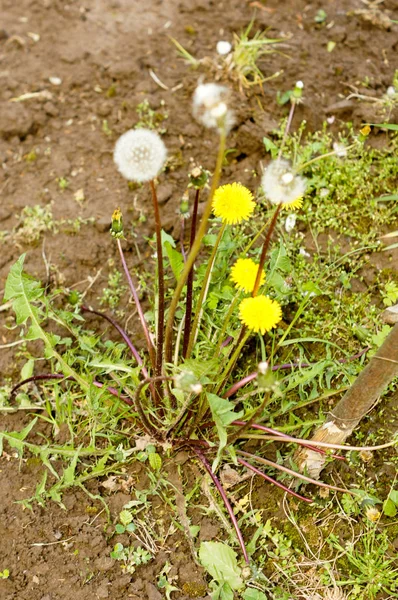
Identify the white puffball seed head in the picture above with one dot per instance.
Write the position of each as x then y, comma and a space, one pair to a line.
210, 106
223, 48
139, 155
280, 184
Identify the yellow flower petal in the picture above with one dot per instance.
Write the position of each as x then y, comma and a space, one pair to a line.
260, 314
233, 203
244, 273
293, 204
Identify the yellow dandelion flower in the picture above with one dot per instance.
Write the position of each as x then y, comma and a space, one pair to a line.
233, 203
244, 273
260, 314
294, 204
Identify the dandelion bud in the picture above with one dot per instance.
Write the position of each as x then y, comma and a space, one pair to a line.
372, 514
298, 90
210, 106
265, 376
282, 186
139, 154
184, 205
117, 224
198, 178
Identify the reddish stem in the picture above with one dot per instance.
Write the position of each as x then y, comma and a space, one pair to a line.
284, 435
273, 481
265, 250
224, 497
188, 308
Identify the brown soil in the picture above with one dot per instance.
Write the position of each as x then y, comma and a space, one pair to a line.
103, 52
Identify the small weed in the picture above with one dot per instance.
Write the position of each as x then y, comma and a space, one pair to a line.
150, 118
131, 557
370, 561
63, 183
112, 294
4, 574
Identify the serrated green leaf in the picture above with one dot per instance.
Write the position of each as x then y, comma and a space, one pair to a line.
223, 414
69, 472
119, 528
220, 562
125, 517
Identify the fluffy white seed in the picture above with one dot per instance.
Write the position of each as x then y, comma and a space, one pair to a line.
210, 106
290, 222
340, 150
280, 184
139, 154
223, 48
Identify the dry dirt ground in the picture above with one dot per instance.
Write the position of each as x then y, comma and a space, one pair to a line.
86, 65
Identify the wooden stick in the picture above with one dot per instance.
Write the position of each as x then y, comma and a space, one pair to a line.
355, 404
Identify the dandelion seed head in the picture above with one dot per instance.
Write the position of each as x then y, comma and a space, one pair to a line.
233, 203
299, 85
282, 186
244, 274
260, 314
287, 178
340, 150
139, 154
210, 106
223, 48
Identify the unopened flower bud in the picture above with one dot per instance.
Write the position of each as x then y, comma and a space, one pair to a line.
298, 90
198, 177
117, 224
184, 205
373, 514
265, 376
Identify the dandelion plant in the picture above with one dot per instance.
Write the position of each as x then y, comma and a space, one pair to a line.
184, 391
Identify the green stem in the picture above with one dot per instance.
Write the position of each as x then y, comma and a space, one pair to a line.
241, 341
194, 250
225, 325
159, 252
332, 153
203, 291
